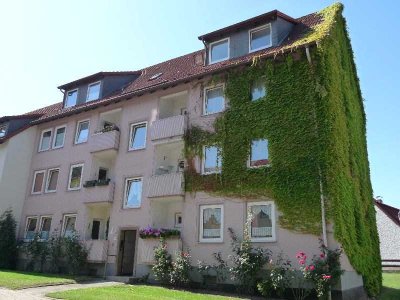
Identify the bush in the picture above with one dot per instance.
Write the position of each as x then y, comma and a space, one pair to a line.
247, 261
163, 263
8, 242
37, 252
219, 270
181, 269
75, 253
55, 246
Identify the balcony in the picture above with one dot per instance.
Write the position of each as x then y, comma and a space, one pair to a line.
97, 250
95, 193
104, 140
168, 128
146, 249
170, 184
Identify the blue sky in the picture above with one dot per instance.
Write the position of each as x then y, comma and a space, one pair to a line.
47, 43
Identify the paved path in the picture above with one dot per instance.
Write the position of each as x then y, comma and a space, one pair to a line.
39, 293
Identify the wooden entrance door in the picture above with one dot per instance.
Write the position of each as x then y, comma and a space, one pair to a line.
127, 252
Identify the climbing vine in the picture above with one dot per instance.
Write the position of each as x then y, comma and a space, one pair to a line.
313, 118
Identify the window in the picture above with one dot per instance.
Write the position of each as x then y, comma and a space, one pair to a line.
59, 136
45, 140
258, 90
211, 223
211, 159
258, 153
219, 51
45, 224
178, 220
262, 226
37, 186
69, 225
71, 98
214, 100
102, 174
260, 38
3, 129
75, 177
138, 136
82, 132
30, 230
52, 179
133, 192
95, 230
93, 92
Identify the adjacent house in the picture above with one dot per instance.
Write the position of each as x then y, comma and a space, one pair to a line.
388, 221
265, 122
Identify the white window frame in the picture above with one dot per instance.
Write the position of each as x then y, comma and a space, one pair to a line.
26, 226
132, 126
213, 87
126, 190
70, 175
34, 181
273, 220
5, 127
77, 132
41, 139
41, 225
258, 29
87, 92
64, 223
203, 161
46, 189
55, 135
211, 240
66, 98
249, 158
222, 59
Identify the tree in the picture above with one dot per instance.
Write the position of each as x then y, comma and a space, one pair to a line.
8, 242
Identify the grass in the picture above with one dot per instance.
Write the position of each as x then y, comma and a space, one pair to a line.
391, 286
20, 280
133, 292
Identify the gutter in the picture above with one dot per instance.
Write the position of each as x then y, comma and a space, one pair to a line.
165, 85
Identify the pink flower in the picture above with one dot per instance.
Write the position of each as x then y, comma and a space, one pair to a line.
322, 255
307, 268
300, 254
326, 277
302, 261
312, 268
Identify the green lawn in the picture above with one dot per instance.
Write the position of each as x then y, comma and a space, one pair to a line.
19, 280
124, 292
391, 286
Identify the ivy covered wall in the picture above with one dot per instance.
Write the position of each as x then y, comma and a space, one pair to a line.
313, 118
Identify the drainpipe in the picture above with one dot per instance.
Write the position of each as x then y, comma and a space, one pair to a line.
321, 188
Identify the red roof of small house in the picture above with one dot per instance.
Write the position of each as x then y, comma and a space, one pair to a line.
392, 212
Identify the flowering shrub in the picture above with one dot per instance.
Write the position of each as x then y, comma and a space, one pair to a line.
277, 278
150, 232
181, 269
323, 271
247, 261
163, 263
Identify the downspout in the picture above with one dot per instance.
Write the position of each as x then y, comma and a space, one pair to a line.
321, 187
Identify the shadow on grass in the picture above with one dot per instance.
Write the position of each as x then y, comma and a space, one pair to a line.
389, 294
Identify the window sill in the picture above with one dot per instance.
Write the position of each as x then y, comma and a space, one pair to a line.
261, 48
74, 190
217, 61
137, 149
81, 143
268, 240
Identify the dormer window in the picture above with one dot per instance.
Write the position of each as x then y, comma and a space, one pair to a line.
260, 38
93, 92
71, 98
219, 51
3, 129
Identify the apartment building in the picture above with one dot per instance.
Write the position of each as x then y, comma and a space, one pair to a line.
113, 159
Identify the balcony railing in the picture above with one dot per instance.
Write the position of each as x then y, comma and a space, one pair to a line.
146, 249
97, 250
98, 193
168, 127
170, 184
101, 141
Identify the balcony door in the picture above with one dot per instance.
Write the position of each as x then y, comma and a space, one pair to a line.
127, 252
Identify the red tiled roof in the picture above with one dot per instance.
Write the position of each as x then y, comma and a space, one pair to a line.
392, 212
184, 69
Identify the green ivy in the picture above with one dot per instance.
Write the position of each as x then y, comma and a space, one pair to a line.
313, 118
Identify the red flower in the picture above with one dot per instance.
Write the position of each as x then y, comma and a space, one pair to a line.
326, 277
312, 268
322, 255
